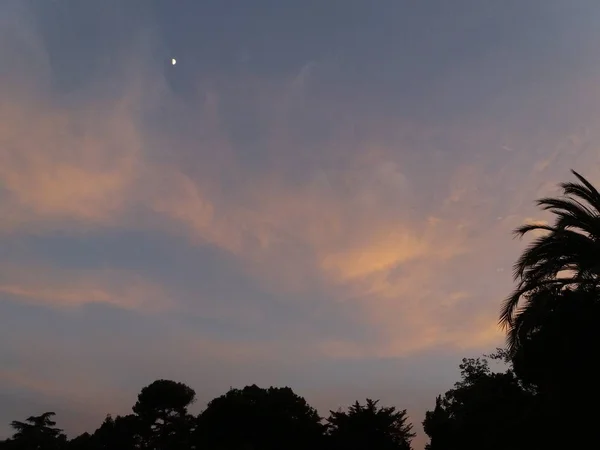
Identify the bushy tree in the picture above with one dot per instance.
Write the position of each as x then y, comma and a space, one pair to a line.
37, 433
258, 418
369, 426
120, 433
162, 414
479, 410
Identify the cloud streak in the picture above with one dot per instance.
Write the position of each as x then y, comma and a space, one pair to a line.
64, 288
361, 230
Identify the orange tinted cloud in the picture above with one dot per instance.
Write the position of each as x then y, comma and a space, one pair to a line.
66, 164
363, 227
64, 288
347, 228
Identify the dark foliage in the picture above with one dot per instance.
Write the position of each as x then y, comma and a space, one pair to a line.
566, 255
369, 427
162, 415
553, 314
248, 418
36, 433
260, 419
481, 405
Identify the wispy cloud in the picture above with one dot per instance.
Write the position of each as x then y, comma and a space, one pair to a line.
48, 286
365, 230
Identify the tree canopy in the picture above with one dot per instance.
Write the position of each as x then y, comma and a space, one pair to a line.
261, 418
481, 404
370, 426
36, 433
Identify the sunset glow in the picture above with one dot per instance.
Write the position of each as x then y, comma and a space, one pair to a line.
313, 198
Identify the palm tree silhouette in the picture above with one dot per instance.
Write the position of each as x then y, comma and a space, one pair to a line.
566, 256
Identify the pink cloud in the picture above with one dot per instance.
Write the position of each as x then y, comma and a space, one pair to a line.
65, 164
64, 288
358, 217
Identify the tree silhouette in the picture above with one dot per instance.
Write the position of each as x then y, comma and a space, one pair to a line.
567, 255
558, 343
257, 418
552, 315
479, 410
368, 426
121, 433
84, 441
557, 359
37, 433
163, 399
163, 416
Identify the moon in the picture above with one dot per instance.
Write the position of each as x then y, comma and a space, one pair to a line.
173, 61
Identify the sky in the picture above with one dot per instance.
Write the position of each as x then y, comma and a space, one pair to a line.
318, 194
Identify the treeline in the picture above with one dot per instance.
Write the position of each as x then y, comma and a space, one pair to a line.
547, 397
248, 418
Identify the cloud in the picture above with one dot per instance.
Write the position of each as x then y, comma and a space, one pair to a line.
360, 230
184, 202
56, 166
385, 214
67, 288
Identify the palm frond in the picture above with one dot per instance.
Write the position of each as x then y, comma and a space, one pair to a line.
524, 229
565, 259
555, 252
592, 192
510, 307
531, 314
577, 190
567, 208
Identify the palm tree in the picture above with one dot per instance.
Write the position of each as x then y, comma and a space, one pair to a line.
566, 256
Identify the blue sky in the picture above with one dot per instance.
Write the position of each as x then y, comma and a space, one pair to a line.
319, 194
